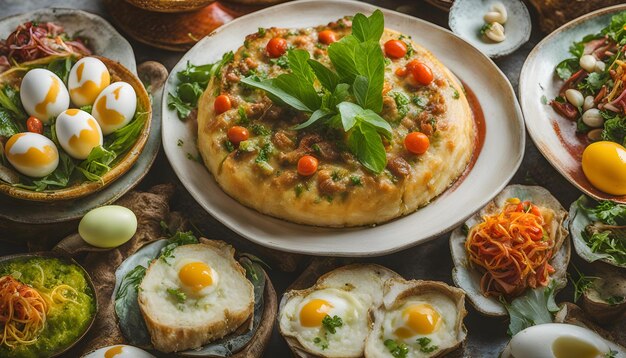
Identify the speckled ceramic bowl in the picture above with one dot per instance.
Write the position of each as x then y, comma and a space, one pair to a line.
466, 20
554, 135
102, 38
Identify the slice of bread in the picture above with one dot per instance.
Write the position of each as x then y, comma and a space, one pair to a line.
180, 317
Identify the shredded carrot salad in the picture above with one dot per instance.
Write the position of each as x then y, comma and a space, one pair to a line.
513, 248
22, 312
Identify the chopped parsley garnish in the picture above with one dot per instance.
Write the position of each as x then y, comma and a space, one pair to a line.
243, 117
356, 180
420, 101
465, 229
397, 350
332, 323
484, 29
299, 189
260, 129
228, 145
177, 294
402, 104
425, 345
261, 31
456, 94
264, 153
321, 342
281, 62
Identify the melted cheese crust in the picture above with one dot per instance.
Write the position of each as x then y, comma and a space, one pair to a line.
342, 192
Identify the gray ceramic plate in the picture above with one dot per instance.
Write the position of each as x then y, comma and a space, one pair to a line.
103, 39
503, 146
466, 20
30, 212
554, 135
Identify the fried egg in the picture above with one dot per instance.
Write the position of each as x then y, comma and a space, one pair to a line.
78, 133
199, 292
88, 77
119, 351
32, 154
43, 94
340, 301
115, 106
425, 318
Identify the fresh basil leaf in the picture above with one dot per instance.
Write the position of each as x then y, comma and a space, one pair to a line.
299, 88
534, 307
594, 82
370, 64
343, 56
175, 103
190, 92
276, 94
195, 73
316, 116
61, 67
8, 127
368, 28
10, 100
381, 125
326, 76
349, 112
97, 163
124, 138
298, 63
365, 143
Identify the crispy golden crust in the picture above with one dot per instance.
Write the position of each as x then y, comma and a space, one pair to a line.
342, 193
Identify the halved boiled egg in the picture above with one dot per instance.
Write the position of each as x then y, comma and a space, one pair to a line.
78, 133
115, 106
87, 79
604, 165
32, 154
43, 94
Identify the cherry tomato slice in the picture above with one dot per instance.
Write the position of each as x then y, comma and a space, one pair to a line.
416, 142
276, 47
401, 72
307, 165
238, 134
326, 37
34, 125
421, 73
222, 104
395, 49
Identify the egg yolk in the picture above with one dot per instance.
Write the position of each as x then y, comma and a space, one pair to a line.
604, 165
313, 312
88, 138
90, 90
571, 347
196, 275
51, 97
419, 319
109, 116
113, 351
33, 157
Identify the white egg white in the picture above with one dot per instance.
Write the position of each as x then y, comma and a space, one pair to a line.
71, 125
119, 351
43, 94
21, 143
87, 78
206, 291
118, 100
556, 340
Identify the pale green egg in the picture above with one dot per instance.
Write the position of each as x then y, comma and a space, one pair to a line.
108, 226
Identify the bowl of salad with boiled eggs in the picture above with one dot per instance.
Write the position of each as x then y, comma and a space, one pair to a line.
69, 126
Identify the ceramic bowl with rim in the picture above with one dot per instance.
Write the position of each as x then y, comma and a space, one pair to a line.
77, 190
554, 135
466, 20
503, 146
103, 39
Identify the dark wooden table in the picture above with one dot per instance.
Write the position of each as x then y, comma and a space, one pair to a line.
487, 336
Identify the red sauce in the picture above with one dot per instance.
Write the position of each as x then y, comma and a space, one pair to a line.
480, 132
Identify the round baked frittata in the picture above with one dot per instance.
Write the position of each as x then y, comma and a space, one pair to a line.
257, 163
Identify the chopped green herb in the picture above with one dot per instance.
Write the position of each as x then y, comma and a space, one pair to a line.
484, 29
264, 153
332, 323
465, 229
356, 180
243, 117
177, 294
402, 104
281, 62
260, 129
261, 31
581, 284
180, 143
321, 342
397, 350
425, 345
228, 145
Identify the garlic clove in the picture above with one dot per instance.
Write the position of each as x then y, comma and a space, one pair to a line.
495, 32
574, 97
595, 134
588, 63
493, 16
588, 103
593, 118
600, 66
500, 9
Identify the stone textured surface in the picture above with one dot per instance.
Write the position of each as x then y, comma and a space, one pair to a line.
432, 261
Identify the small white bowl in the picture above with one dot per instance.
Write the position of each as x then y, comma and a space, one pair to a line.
466, 20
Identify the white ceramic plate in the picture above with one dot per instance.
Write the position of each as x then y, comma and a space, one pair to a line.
501, 155
103, 39
553, 134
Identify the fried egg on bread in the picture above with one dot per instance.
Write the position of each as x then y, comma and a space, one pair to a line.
197, 295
